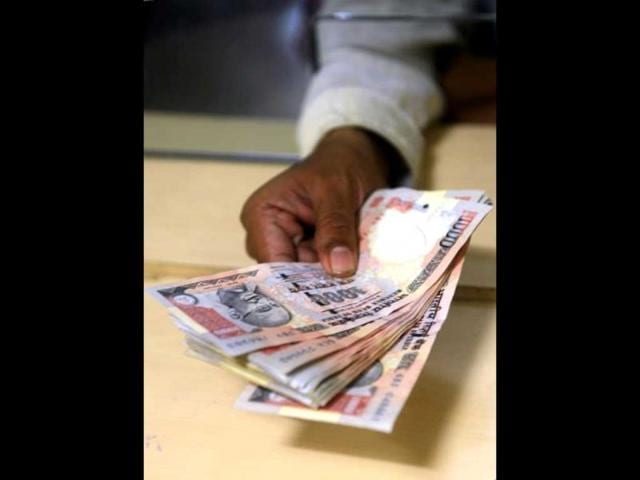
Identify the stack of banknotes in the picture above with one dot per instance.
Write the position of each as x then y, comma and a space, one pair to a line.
338, 350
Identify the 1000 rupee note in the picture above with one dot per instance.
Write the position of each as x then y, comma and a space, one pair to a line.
376, 398
408, 239
315, 383
299, 385
280, 361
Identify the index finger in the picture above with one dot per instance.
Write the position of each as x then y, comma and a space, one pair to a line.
268, 242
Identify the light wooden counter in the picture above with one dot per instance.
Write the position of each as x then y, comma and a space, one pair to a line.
192, 431
446, 431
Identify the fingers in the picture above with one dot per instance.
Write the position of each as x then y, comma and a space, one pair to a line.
267, 240
290, 225
307, 252
315, 194
336, 238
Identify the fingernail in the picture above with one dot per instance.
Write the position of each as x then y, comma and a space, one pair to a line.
341, 260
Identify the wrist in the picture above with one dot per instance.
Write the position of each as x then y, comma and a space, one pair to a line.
367, 150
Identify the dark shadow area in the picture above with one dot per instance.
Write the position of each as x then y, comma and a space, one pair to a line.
256, 58
242, 58
418, 431
433, 136
479, 267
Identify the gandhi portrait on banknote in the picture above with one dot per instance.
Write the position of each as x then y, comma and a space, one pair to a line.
248, 304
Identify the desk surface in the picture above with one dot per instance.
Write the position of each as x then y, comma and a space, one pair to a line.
446, 431
192, 431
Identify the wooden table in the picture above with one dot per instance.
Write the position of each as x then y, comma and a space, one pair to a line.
192, 431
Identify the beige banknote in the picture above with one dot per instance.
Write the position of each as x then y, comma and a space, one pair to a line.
408, 241
281, 361
377, 397
316, 383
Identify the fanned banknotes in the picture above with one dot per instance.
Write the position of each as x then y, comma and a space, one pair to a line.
375, 399
303, 336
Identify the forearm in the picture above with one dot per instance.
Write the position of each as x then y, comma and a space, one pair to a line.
377, 77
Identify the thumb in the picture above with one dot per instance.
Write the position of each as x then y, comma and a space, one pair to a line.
336, 236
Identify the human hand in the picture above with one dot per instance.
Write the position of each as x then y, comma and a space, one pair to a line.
309, 212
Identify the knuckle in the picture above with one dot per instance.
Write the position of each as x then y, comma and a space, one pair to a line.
337, 222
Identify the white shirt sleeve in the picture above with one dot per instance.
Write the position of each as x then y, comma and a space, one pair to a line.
375, 75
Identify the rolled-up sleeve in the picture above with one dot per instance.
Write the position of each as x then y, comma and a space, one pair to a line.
378, 76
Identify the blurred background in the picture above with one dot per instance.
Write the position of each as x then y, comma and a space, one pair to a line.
239, 57
226, 78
